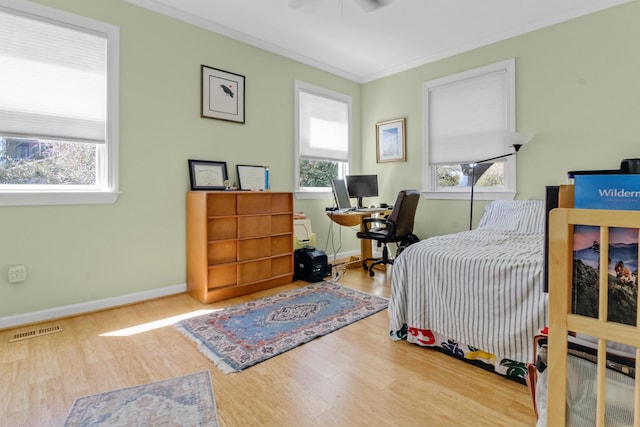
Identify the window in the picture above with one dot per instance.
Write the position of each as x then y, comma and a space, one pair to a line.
470, 117
323, 139
59, 107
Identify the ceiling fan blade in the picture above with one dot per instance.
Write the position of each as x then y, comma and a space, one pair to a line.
371, 5
311, 6
318, 5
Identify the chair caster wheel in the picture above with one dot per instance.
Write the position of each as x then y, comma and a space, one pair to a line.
371, 273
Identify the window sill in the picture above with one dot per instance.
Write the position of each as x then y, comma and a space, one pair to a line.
58, 198
466, 195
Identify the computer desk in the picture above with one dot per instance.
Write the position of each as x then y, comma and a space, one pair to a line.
351, 219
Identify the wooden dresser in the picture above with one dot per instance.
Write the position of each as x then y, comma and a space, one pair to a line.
238, 242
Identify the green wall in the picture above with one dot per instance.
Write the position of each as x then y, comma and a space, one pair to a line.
577, 90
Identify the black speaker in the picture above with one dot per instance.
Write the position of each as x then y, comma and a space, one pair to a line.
630, 166
310, 265
551, 202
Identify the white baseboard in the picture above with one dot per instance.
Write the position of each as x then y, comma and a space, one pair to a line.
342, 255
106, 303
85, 307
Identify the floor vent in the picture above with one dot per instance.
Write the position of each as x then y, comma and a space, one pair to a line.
35, 333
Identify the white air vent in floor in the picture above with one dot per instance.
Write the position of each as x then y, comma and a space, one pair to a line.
35, 333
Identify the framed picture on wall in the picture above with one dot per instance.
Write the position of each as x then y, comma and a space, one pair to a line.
207, 175
390, 141
222, 95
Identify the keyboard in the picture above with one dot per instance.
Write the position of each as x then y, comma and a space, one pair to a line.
371, 209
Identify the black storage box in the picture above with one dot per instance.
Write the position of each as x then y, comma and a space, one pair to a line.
310, 265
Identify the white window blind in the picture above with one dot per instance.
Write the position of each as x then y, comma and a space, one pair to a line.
52, 81
324, 128
468, 119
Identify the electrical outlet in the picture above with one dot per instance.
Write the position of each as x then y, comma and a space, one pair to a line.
17, 273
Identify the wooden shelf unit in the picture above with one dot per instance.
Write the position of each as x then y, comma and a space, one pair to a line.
238, 242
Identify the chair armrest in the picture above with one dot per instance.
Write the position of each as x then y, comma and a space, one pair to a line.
378, 225
373, 220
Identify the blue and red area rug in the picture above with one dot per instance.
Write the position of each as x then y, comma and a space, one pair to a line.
182, 401
242, 335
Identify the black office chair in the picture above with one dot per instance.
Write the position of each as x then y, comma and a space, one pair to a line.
397, 227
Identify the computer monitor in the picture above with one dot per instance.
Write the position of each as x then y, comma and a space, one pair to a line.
361, 186
340, 194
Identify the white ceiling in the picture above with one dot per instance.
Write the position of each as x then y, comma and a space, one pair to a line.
341, 38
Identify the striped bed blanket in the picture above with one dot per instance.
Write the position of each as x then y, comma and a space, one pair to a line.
476, 294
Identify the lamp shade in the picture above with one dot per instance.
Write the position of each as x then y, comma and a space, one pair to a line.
518, 139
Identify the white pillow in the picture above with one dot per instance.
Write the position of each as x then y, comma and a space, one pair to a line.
524, 216
500, 215
532, 216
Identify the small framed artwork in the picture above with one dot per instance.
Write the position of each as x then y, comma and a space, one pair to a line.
222, 95
207, 175
252, 177
390, 141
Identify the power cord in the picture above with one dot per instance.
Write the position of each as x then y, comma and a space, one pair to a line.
339, 269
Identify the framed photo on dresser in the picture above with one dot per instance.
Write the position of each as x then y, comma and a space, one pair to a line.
207, 174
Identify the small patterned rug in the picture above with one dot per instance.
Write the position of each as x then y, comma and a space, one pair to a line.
182, 401
242, 335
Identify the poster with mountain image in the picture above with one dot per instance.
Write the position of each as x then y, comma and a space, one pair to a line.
622, 266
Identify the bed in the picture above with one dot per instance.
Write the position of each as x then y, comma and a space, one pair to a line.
574, 389
477, 295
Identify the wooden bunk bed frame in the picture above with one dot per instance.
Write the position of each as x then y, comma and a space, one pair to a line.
562, 321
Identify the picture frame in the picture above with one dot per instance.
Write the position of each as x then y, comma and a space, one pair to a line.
391, 145
252, 177
207, 175
222, 95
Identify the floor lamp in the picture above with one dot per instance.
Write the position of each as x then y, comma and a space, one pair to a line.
521, 139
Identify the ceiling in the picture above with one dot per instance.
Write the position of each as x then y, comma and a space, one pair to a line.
340, 37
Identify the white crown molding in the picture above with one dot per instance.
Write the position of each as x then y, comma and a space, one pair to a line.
515, 31
493, 38
239, 36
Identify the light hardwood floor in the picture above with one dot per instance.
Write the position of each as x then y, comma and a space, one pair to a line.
356, 376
